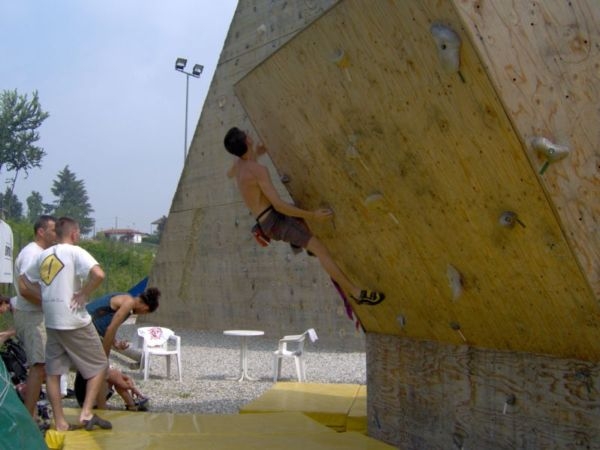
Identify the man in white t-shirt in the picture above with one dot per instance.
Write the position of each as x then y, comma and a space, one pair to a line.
28, 316
64, 276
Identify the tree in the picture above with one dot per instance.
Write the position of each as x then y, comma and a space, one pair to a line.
154, 238
72, 200
160, 225
36, 206
10, 205
19, 121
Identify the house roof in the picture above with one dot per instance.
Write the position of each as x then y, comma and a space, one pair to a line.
122, 231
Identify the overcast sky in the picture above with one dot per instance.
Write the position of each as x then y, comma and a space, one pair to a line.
105, 72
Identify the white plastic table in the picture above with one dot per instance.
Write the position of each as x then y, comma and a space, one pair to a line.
244, 334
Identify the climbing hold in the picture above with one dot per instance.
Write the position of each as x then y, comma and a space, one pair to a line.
373, 198
510, 401
508, 219
351, 152
340, 59
456, 327
584, 375
401, 321
448, 45
222, 100
261, 30
553, 152
455, 281
285, 178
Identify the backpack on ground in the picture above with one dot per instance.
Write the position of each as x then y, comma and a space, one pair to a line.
15, 361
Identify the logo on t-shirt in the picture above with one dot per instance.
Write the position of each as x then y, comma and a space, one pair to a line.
50, 268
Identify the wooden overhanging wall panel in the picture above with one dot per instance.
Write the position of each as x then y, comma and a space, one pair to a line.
423, 169
546, 65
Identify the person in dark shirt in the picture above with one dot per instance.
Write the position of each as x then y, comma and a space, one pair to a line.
110, 311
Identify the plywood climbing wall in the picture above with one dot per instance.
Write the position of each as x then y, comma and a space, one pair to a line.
544, 59
437, 199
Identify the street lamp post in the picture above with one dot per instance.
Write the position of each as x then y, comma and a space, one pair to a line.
180, 64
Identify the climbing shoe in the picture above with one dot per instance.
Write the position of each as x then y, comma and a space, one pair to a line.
369, 297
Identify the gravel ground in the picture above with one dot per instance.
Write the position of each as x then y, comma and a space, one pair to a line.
210, 361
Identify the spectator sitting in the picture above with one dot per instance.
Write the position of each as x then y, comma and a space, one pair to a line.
5, 307
123, 384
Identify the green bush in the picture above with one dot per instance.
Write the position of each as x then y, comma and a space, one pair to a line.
124, 264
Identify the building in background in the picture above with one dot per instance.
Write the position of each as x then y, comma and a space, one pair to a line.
124, 235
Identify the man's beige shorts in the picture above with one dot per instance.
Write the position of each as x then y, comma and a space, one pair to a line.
81, 348
32, 334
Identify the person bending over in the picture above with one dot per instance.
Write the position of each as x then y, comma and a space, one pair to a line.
109, 312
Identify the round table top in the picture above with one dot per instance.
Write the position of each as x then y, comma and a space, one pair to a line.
243, 332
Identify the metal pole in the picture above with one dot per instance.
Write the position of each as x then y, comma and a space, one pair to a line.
187, 87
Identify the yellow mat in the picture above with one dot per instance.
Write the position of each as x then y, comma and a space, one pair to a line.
328, 404
357, 417
134, 430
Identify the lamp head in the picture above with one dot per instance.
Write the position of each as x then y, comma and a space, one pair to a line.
180, 64
197, 70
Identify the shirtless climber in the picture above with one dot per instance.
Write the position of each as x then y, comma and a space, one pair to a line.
281, 221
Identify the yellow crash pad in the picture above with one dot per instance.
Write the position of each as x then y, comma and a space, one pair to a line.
160, 441
357, 417
135, 430
328, 404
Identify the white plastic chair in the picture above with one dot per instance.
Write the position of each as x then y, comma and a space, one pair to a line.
156, 341
293, 347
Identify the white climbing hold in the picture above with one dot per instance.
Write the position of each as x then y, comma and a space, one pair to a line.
455, 281
351, 152
552, 151
340, 59
373, 198
448, 45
